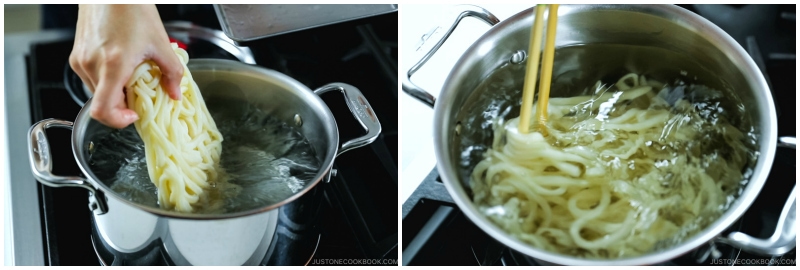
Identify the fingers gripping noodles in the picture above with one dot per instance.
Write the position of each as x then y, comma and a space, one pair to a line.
181, 140
620, 174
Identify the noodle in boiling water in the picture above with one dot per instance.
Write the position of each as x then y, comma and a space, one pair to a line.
181, 140
618, 176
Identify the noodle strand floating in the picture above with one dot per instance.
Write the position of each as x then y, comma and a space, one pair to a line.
181, 140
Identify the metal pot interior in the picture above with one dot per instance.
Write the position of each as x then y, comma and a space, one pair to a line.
661, 42
227, 85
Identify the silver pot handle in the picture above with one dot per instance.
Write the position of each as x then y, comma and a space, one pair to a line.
42, 166
787, 142
784, 238
361, 109
461, 11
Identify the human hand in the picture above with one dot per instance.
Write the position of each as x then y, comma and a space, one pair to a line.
110, 42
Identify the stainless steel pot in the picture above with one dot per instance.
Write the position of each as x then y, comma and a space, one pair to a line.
667, 27
241, 238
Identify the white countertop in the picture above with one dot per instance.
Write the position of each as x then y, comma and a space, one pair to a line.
418, 157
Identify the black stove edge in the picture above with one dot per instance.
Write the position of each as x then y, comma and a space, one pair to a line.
339, 198
431, 188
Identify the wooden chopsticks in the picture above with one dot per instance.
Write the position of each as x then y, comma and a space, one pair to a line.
531, 71
532, 68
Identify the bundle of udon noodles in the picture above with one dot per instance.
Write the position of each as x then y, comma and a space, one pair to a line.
181, 140
623, 172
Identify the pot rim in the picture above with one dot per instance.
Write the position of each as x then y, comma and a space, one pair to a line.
308, 95
722, 41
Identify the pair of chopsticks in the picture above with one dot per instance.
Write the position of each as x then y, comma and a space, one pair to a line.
533, 66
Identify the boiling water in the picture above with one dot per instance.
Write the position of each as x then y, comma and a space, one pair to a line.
577, 69
263, 162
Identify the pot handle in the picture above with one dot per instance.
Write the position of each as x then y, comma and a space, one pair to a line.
42, 166
785, 236
460, 12
361, 109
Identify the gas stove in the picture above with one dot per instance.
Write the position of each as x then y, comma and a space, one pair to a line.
358, 220
436, 232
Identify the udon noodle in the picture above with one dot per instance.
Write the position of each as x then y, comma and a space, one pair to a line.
181, 140
621, 173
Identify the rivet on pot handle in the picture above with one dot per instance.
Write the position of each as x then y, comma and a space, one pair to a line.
42, 165
361, 110
784, 238
461, 12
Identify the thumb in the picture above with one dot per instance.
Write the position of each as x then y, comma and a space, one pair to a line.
109, 108
171, 70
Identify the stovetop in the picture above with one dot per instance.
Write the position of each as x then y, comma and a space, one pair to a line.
436, 232
359, 216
